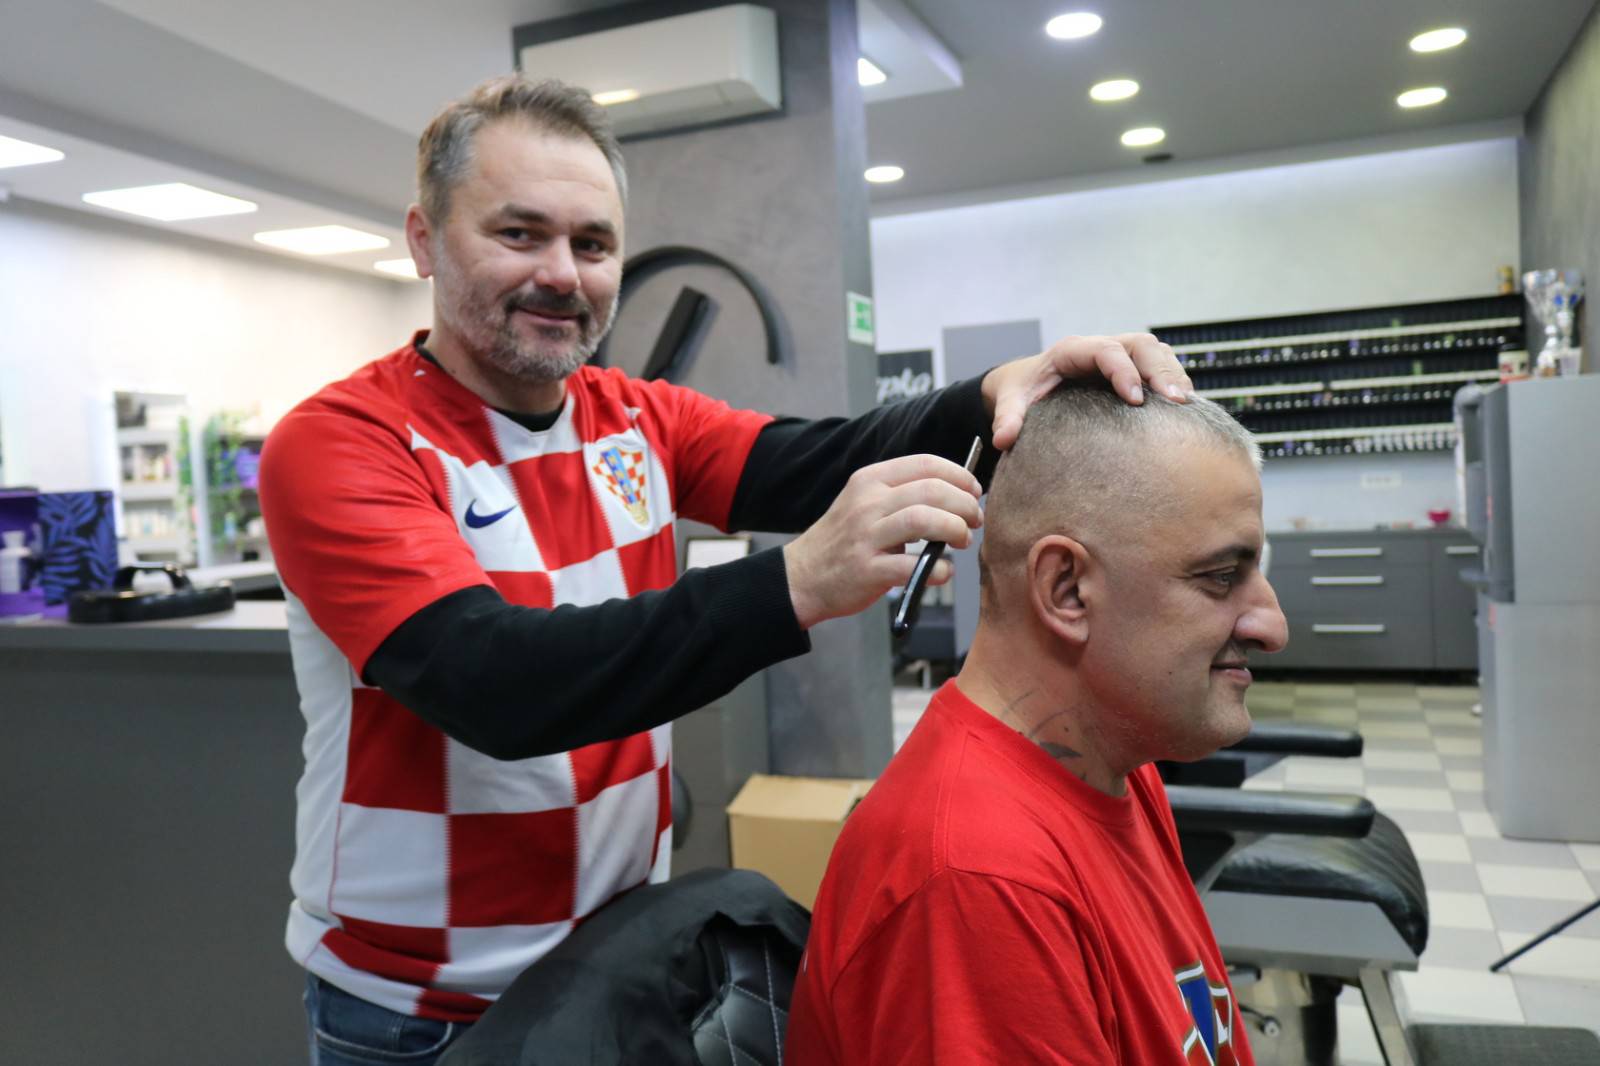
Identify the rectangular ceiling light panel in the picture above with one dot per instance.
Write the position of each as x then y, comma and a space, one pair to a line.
171, 202
322, 240
15, 153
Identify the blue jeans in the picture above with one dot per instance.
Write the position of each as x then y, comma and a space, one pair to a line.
346, 1031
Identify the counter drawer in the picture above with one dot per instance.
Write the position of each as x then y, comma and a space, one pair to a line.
1348, 643
1348, 550
1391, 591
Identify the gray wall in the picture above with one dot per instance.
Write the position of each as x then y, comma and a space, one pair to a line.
1559, 161
781, 196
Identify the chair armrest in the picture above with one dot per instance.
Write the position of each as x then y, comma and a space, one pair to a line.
1238, 811
1292, 738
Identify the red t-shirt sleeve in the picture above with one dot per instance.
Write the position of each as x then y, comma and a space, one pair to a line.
710, 442
971, 969
356, 529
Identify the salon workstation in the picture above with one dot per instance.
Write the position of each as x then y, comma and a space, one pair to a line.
528, 695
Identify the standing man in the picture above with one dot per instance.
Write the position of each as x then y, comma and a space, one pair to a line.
475, 538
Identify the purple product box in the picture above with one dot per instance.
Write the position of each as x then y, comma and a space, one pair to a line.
21, 587
78, 543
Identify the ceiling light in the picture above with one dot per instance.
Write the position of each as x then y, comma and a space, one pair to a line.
616, 96
869, 73
1438, 40
883, 175
1077, 24
1117, 89
1144, 136
15, 153
172, 202
322, 240
400, 268
1421, 97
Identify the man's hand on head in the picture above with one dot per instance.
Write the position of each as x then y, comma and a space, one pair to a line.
856, 551
1128, 360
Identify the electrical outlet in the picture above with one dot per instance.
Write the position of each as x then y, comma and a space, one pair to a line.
1380, 480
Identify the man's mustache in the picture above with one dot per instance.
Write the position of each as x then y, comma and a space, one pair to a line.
545, 302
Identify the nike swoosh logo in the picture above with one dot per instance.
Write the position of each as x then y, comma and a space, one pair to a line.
478, 521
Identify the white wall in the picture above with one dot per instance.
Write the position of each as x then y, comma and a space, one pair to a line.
1423, 224
89, 306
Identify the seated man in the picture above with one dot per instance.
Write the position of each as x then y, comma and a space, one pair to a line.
1011, 890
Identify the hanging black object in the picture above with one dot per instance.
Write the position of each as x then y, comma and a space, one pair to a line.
121, 603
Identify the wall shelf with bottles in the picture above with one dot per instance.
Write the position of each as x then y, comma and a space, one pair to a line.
1376, 379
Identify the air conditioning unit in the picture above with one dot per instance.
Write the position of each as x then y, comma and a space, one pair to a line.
707, 66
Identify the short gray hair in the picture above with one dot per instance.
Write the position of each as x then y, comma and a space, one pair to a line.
445, 150
1081, 467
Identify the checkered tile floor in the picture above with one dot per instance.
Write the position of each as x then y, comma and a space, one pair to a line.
1423, 767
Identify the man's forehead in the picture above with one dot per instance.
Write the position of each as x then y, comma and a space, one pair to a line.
512, 155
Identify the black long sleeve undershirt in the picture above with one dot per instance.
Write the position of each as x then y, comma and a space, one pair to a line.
515, 682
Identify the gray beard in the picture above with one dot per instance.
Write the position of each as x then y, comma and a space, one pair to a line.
508, 354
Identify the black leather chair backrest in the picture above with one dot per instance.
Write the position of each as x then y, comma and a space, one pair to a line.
694, 972
753, 970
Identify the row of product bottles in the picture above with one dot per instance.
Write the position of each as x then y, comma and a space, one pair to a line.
148, 523
1429, 314
1347, 418
1449, 363
147, 462
1244, 406
1354, 348
1418, 440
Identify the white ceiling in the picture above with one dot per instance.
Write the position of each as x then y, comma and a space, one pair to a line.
318, 103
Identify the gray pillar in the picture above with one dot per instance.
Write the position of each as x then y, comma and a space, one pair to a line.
783, 197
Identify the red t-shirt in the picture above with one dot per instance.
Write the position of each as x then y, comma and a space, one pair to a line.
983, 905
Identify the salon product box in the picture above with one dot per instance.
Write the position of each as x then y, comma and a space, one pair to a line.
78, 542
785, 828
21, 591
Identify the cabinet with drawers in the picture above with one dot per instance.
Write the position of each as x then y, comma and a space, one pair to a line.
1380, 601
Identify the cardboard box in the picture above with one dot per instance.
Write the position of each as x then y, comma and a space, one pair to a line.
785, 827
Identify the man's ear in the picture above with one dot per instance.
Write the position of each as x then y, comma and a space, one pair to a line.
1057, 566
419, 233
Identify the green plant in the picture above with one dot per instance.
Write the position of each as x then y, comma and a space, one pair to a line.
223, 438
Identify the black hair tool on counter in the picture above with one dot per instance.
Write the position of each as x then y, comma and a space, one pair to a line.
122, 603
905, 616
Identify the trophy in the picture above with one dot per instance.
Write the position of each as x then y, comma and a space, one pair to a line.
1554, 295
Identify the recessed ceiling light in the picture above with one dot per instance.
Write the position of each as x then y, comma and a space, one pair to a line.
1116, 89
1076, 24
400, 268
15, 153
322, 240
616, 96
172, 202
883, 175
1144, 136
869, 73
1421, 97
1438, 40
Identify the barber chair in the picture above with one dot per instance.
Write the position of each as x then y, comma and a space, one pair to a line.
723, 1000
1310, 893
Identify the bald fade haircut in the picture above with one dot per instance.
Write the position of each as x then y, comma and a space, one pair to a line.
1086, 466
445, 151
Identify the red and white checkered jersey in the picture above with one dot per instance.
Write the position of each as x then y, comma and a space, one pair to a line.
428, 875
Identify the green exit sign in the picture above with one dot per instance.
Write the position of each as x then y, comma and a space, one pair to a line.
858, 325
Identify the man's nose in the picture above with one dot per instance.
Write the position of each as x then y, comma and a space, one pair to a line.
1263, 623
556, 268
